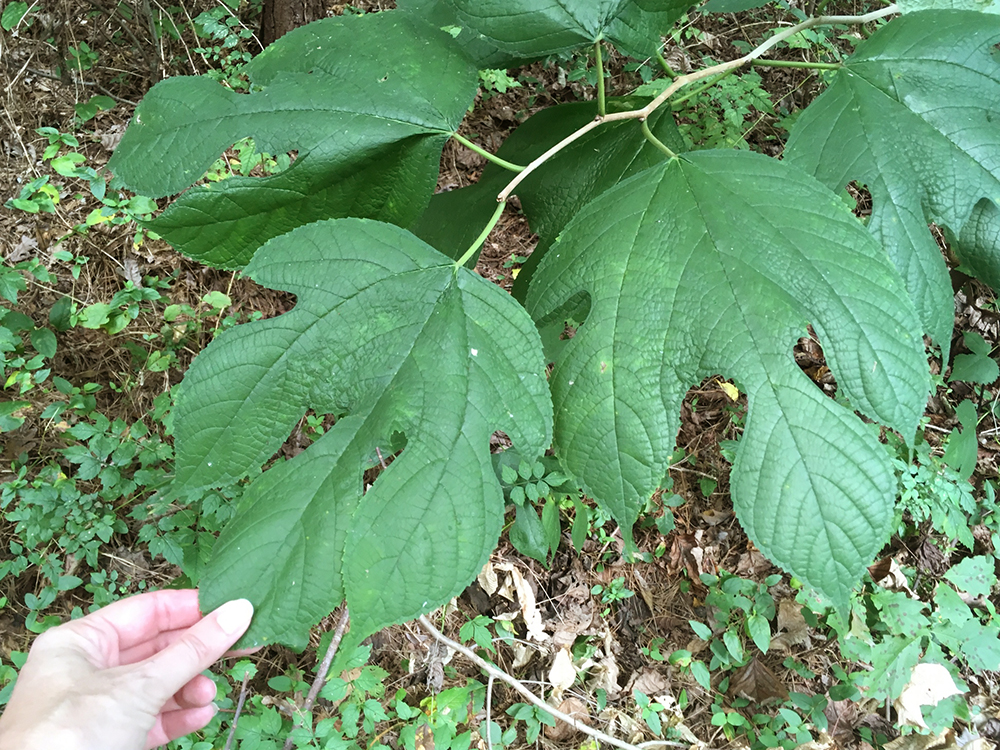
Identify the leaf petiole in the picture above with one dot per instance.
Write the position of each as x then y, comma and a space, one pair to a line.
482, 236
797, 64
486, 154
656, 141
599, 61
665, 65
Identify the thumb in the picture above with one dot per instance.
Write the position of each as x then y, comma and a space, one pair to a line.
200, 647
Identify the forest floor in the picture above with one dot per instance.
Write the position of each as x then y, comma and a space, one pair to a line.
624, 618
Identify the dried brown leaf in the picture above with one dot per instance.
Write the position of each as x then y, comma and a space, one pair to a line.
649, 682
757, 683
562, 731
424, 738
792, 627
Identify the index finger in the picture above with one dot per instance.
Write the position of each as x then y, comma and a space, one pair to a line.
139, 618
200, 647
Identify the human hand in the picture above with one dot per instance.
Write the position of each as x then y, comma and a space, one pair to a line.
123, 678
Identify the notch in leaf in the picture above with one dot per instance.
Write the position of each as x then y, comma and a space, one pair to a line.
772, 251
368, 128
392, 337
912, 115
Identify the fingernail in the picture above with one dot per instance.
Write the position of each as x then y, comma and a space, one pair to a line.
234, 617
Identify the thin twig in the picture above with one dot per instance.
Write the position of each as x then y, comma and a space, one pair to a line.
156, 40
676, 467
531, 697
684, 80
489, 710
324, 667
239, 707
601, 108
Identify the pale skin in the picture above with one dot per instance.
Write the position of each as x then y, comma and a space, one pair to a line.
126, 677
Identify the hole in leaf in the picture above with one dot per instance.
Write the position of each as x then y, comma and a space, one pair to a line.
811, 360
860, 200
499, 442
379, 459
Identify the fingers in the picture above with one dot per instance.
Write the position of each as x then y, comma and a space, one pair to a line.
137, 619
195, 651
174, 724
200, 691
154, 645
163, 640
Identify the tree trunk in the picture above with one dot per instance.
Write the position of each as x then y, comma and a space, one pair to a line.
281, 16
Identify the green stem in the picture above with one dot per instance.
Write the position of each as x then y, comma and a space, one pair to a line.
656, 141
665, 65
797, 64
600, 78
486, 154
703, 87
482, 237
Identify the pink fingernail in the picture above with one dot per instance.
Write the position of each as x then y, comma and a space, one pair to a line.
234, 617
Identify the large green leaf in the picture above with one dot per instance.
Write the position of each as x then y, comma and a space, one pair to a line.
536, 29
368, 128
716, 262
912, 114
391, 336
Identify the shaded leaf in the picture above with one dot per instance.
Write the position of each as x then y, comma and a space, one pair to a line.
550, 196
731, 6
441, 15
531, 29
810, 483
44, 342
978, 241
976, 367
982, 6
406, 343
963, 447
527, 534
368, 128
11, 282
759, 630
912, 116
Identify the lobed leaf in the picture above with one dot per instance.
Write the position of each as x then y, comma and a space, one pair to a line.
389, 335
533, 29
911, 115
368, 129
713, 263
